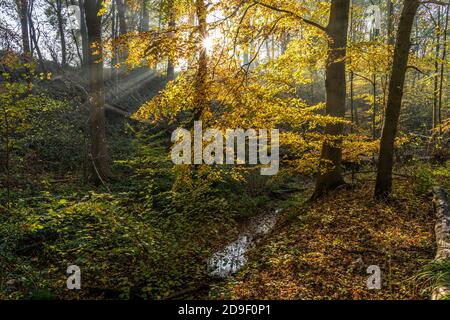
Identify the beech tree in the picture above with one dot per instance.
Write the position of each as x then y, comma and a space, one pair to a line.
22, 6
99, 148
83, 32
403, 44
335, 84
201, 102
57, 6
172, 24
383, 187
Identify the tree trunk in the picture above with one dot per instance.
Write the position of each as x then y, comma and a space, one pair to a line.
442, 230
34, 38
23, 12
353, 111
436, 69
170, 64
335, 84
444, 55
114, 72
61, 33
121, 9
200, 101
122, 21
99, 148
383, 186
192, 31
7, 157
77, 46
285, 39
374, 106
390, 39
145, 22
390, 24
83, 32
75, 34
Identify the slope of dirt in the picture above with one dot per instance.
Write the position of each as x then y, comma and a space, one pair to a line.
322, 250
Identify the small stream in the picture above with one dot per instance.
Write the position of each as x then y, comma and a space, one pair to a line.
234, 256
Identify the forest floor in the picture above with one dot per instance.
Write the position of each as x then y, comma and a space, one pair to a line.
322, 250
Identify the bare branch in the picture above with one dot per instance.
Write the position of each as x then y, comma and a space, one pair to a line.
415, 68
246, 66
441, 3
363, 77
239, 26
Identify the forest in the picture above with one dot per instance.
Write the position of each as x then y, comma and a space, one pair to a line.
224, 150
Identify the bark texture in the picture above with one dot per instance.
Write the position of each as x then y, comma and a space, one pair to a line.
383, 185
145, 22
99, 148
121, 8
23, 9
172, 24
442, 230
62, 37
83, 32
335, 84
200, 101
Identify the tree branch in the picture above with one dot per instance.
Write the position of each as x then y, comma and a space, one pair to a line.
363, 77
312, 23
415, 68
247, 65
441, 3
239, 25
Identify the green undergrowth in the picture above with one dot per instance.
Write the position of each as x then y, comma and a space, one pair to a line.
136, 237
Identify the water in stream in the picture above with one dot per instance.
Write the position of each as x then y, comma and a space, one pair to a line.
233, 257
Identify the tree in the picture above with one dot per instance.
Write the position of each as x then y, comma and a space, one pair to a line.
83, 32
122, 56
34, 38
444, 55
99, 148
62, 36
56, 5
172, 24
436, 70
200, 100
335, 85
121, 8
145, 19
383, 185
390, 24
22, 6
